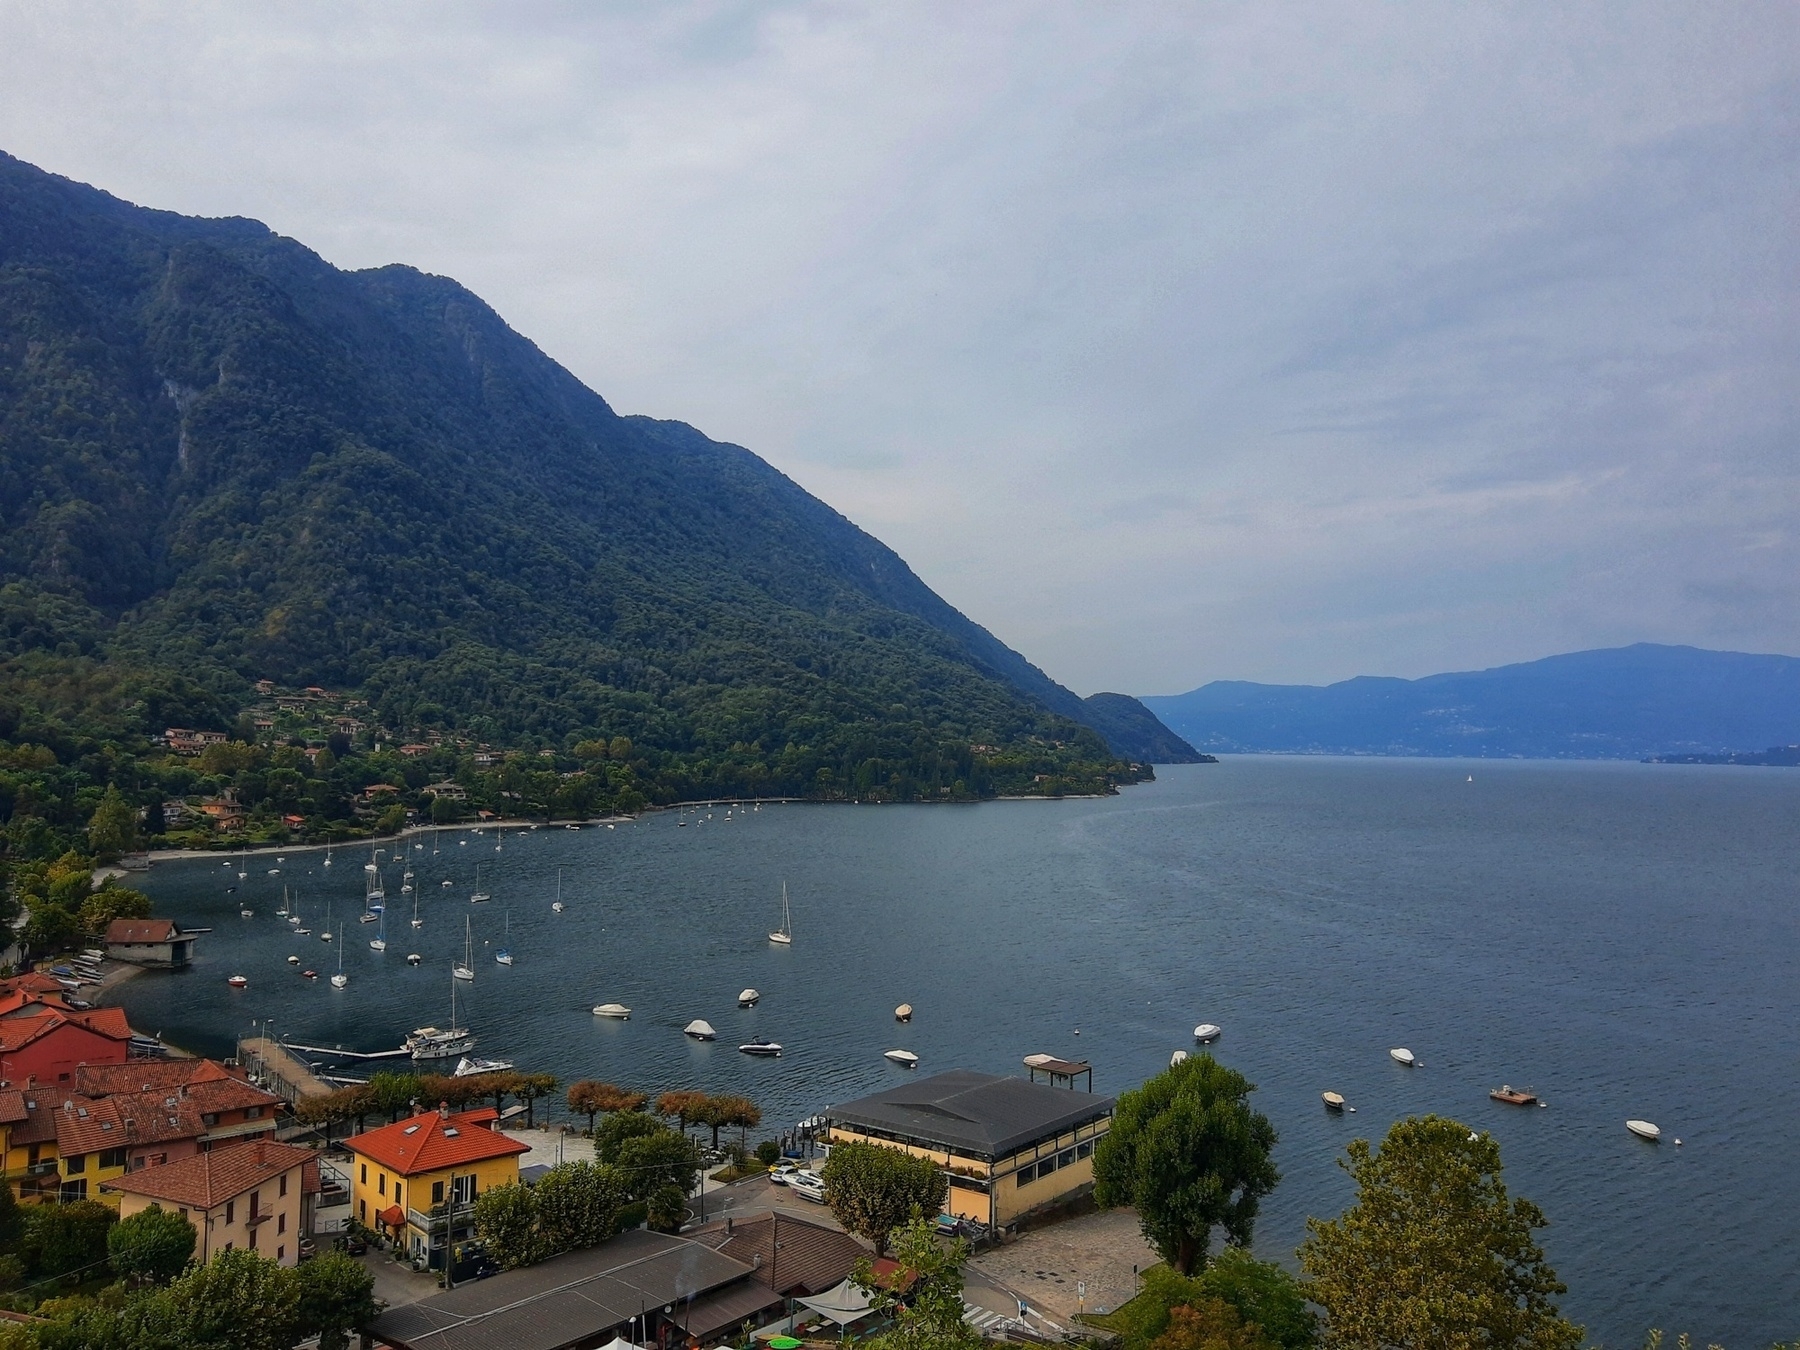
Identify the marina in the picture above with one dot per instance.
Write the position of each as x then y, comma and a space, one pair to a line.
1402, 913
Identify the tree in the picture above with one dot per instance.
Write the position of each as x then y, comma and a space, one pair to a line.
683, 1104
1264, 1294
652, 1161
925, 1296
113, 827
530, 1087
12, 1219
1211, 1324
578, 1205
1433, 1253
621, 1128
717, 1112
337, 1296
1188, 1153
590, 1098
62, 1239
506, 1221
236, 1301
153, 1246
109, 903
666, 1207
51, 928
873, 1189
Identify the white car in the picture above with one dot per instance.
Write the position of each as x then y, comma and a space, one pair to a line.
808, 1186
781, 1171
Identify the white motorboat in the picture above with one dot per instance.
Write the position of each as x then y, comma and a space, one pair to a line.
903, 1013
1334, 1101
1206, 1033
470, 1065
784, 935
700, 1030
246, 914
413, 958
238, 982
768, 1049
1406, 1057
749, 998
293, 960
1643, 1129
1179, 1057
906, 1059
617, 1011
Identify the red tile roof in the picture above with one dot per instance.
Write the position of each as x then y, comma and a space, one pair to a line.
430, 1141
149, 1075
141, 930
24, 1028
208, 1180
12, 1106
35, 982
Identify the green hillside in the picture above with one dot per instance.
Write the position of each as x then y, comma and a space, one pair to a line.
223, 460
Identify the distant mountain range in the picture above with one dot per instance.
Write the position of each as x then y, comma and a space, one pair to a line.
1618, 703
223, 459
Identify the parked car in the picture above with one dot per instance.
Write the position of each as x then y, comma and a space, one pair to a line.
780, 1172
352, 1244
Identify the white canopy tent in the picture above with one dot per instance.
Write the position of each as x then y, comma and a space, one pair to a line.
842, 1304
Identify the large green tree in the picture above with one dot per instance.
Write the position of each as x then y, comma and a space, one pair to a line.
1434, 1254
113, 828
1188, 1152
337, 1296
578, 1204
153, 1246
873, 1189
924, 1300
236, 1301
506, 1221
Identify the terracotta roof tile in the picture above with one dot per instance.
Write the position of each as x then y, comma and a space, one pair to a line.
12, 1106
141, 930
429, 1141
147, 1075
208, 1180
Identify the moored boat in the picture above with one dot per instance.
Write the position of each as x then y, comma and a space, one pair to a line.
1643, 1129
906, 1059
470, 1065
768, 1049
1513, 1096
749, 998
238, 982
1206, 1033
903, 1013
700, 1030
1334, 1101
617, 1011
1401, 1055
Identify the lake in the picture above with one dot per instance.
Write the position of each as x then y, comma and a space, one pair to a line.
1620, 937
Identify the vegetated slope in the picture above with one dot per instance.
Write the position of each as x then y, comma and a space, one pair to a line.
222, 459
1624, 702
1133, 730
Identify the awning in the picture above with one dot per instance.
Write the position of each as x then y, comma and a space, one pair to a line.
842, 1304
393, 1216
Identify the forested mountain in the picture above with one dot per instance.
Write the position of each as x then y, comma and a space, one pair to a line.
1622, 702
223, 460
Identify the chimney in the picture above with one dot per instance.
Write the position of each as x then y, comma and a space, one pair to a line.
443, 1110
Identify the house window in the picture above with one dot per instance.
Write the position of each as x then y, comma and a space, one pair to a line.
281, 1222
381, 1183
113, 1157
462, 1189
253, 1113
362, 1210
365, 1174
396, 1190
253, 1233
231, 1211
77, 1164
1085, 1150
281, 1253
1027, 1175
1046, 1165
284, 1183
1065, 1158
437, 1192
210, 1119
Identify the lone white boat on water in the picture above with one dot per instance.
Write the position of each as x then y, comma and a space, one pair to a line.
749, 998
784, 935
466, 971
617, 1011
903, 1013
1404, 1056
238, 982
1206, 1033
1334, 1101
1643, 1129
768, 1049
906, 1059
700, 1030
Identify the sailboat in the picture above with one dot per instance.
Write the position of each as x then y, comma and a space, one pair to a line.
379, 941
556, 905
406, 880
499, 838
339, 980
282, 913
466, 971
478, 896
443, 1042
504, 955
328, 855
372, 907
243, 863
784, 934
417, 922
325, 935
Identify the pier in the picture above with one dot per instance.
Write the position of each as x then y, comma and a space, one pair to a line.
280, 1072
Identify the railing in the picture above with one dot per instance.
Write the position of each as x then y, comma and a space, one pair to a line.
439, 1214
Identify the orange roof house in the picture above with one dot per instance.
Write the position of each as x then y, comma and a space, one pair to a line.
149, 942
250, 1195
45, 1043
419, 1178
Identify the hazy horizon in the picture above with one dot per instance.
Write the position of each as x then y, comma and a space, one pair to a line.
1247, 343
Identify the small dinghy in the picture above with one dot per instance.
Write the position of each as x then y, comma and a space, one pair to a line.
749, 998
246, 914
769, 1049
238, 982
1206, 1033
309, 974
1405, 1056
614, 1010
1334, 1101
903, 1013
413, 958
1643, 1129
906, 1059
700, 1030
293, 960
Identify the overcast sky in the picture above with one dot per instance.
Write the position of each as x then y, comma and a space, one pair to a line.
1170, 342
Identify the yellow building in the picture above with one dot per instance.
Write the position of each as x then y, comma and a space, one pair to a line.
1009, 1147
246, 1195
418, 1179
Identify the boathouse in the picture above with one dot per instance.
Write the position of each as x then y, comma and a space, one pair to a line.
1010, 1148
149, 942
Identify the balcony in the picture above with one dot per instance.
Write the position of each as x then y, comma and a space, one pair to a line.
439, 1216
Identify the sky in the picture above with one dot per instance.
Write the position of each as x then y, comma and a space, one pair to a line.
1170, 342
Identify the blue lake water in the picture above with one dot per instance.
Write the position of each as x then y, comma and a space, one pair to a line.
1620, 937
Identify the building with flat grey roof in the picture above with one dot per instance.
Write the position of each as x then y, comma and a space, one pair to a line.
1009, 1147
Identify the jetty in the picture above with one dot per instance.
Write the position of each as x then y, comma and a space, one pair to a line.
281, 1073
